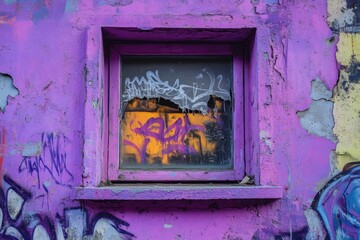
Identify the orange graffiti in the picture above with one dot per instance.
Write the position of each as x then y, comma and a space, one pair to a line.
153, 134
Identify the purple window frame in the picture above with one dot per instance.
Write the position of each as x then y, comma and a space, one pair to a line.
114, 172
97, 182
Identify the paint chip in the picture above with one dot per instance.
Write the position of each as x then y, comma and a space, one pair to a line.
265, 137
318, 118
168, 226
316, 230
339, 15
31, 149
7, 89
319, 90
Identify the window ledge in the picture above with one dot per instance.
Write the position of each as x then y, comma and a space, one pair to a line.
178, 192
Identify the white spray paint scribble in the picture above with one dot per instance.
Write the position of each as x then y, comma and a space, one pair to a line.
193, 97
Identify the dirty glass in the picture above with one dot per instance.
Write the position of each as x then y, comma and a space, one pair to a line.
176, 112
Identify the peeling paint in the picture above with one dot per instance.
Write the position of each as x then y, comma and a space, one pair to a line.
319, 90
31, 149
167, 226
339, 15
265, 137
7, 88
318, 118
316, 230
51, 47
333, 164
347, 100
348, 49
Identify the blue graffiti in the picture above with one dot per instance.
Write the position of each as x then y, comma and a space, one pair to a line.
51, 161
338, 205
74, 223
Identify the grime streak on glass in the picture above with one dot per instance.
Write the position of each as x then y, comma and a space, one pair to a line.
176, 112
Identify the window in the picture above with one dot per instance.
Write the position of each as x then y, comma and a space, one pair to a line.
119, 108
176, 112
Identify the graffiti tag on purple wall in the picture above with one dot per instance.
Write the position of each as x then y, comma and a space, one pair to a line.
338, 205
17, 223
51, 160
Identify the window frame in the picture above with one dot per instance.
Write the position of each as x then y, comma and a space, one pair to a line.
96, 184
114, 173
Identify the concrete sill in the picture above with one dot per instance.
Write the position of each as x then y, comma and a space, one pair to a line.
178, 192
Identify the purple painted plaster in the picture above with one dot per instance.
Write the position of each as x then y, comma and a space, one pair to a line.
53, 51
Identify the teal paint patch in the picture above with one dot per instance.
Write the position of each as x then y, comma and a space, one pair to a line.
10, 1
71, 6
36, 9
40, 12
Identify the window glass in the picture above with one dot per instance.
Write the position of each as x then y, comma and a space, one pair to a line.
176, 112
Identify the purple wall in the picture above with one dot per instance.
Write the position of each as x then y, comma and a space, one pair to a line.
51, 126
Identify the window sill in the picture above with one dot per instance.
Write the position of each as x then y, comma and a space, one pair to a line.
178, 192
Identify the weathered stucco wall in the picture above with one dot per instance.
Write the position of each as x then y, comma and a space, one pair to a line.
337, 202
50, 73
346, 98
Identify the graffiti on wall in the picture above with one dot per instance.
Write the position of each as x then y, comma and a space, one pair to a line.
335, 211
74, 223
157, 138
176, 111
47, 158
338, 204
